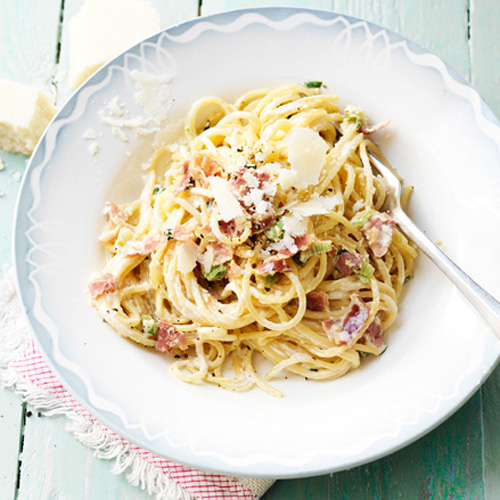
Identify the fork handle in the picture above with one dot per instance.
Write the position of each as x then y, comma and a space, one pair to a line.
485, 304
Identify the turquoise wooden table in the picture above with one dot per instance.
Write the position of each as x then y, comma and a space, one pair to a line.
460, 459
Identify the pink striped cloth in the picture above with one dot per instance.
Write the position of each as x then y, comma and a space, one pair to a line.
24, 369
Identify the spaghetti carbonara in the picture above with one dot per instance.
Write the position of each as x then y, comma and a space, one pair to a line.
260, 232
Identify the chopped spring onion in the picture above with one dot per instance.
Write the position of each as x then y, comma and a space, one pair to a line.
124, 235
190, 184
158, 189
364, 273
363, 219
271, 279
408, 278
354, 115
364, 354
149, 325
216, 273
250, 166
276, 231
323, 246
313, 84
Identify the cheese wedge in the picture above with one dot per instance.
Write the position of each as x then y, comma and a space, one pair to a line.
102, 29
25, 112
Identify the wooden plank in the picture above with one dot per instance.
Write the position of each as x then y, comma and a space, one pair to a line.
214, 6
485, 50
11, 409
56, 465
28, 31
439, 26
491, 435
444, 464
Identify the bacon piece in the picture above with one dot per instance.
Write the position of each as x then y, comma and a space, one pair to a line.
374, 128
200, 167
206, 233
317, 301
374, 334
277, 263
102, 284
222, 252
203, 166
144, 246
379, 230
347, 263
274, 264
113, 213
344, 330
262, 222
185, 179
182, 233
169, 337
244, 179
302, 242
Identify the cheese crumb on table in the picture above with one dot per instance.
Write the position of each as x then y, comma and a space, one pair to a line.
25, 112
102, 29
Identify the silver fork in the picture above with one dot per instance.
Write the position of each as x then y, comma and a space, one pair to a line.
485, 304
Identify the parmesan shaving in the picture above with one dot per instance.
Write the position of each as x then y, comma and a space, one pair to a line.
307, 154
188, 252
228, 205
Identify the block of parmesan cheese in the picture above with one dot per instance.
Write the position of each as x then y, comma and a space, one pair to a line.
102, 29
25, 112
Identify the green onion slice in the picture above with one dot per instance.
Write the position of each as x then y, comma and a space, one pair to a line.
365, 272
276, 231
149, 325
313, 84
216, 273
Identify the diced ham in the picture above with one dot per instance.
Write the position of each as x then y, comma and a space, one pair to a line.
347, 263
300, 243
206, 233
144, 246
203, 166
185, 179
378, 231
317, 301
102, 284
345, 329
304, 241
182, 233
273, 265
113, 213
262, 222
374, 128
244, 179
222, 252
375, 333
169, 337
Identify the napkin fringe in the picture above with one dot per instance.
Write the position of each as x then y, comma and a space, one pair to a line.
13, 339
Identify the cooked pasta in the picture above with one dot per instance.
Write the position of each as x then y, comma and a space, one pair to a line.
259, 232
